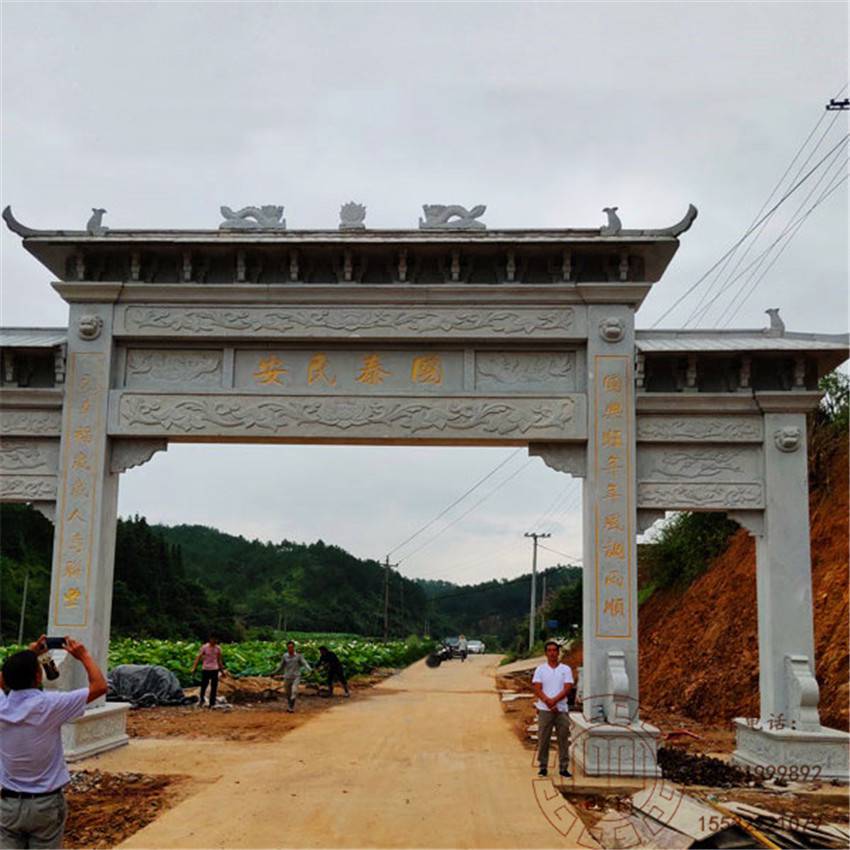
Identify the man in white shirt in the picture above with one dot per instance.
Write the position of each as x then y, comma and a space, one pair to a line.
552, 684
32, 763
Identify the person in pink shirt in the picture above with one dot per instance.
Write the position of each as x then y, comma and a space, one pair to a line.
211, 665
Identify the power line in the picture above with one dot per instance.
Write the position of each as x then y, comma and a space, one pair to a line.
753, 267
761, 210
789, 231
700, 311
799, 224
456, 501
562, 554
455, 521
767, 215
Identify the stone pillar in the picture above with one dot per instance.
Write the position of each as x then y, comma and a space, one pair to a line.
608, 737
788, 732
84, 537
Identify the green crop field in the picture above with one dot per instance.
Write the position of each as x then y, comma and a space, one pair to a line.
259, 658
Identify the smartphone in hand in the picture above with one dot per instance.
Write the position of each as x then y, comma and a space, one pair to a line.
56, 643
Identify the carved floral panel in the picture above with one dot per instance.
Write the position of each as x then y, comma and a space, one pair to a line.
393, 418
351, 322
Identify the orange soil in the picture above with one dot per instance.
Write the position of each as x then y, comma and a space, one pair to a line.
699, 651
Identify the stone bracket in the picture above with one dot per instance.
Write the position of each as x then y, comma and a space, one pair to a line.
646, 518
802, 694
617, 696
753, 521
571, 459
127, 453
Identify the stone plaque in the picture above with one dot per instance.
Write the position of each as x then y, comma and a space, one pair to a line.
350, 372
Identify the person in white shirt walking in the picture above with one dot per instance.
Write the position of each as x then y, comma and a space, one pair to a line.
462, 647
552, 684
32, 762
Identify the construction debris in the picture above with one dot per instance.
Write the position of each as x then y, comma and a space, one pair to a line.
694, 769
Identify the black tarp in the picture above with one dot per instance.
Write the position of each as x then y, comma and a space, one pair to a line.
145, 685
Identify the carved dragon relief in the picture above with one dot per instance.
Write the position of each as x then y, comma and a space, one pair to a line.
349, 321
26, 488
183, 415
510, 368
27, 457
172, 367
697, 463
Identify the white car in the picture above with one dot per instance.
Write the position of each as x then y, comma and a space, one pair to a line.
475, 646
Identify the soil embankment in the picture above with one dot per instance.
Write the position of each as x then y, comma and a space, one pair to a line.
699, 647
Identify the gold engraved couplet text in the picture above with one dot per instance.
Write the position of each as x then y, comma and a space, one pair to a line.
613, 467
86, 383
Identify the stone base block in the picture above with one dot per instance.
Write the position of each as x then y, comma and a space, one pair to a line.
826, 752
99, 729
608, 749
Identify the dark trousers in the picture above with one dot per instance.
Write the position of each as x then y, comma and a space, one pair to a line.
338, 674
560, 721
209, 677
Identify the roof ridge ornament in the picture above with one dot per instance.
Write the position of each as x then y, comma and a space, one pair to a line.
95, 226
452, 217
16, 227
614, 226
352, 216
267, 217
777, 326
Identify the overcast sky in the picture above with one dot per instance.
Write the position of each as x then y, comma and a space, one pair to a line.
545, 112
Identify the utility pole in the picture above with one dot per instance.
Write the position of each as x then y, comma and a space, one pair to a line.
543, 603
387, 566
23, 606
532, 614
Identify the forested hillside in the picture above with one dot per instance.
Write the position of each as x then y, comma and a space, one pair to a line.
184, 581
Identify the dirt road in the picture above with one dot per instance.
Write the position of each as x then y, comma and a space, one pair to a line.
429, 761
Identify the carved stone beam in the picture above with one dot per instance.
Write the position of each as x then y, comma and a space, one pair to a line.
562, 457
127, 453
803, 694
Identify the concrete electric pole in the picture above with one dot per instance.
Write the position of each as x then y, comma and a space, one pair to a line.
532, 615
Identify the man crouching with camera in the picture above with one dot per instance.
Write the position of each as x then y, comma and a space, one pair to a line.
32, 762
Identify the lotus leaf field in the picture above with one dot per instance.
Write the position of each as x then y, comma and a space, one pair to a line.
260, 657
